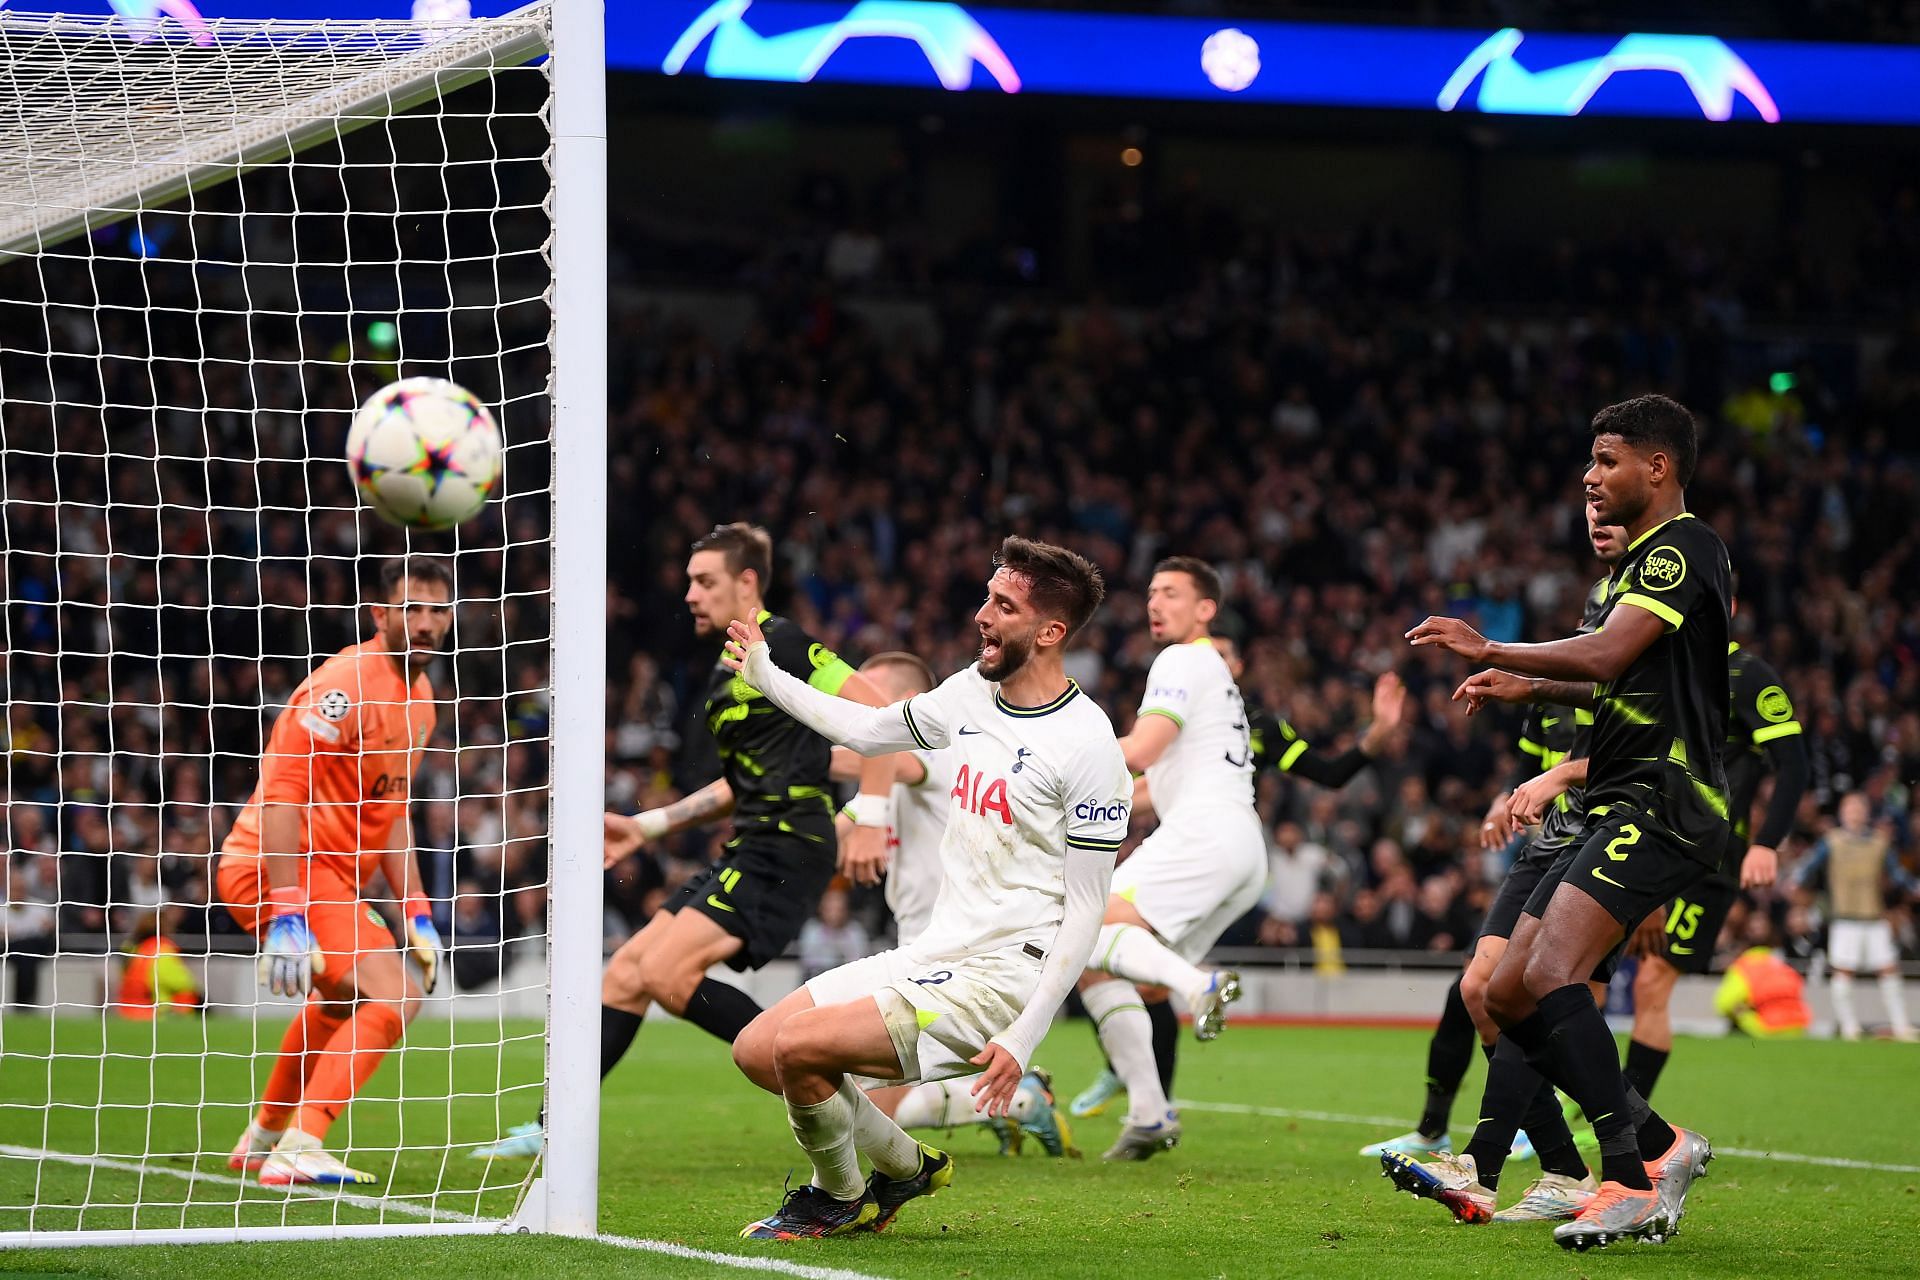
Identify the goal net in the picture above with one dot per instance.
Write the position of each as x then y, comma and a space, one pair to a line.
216, 240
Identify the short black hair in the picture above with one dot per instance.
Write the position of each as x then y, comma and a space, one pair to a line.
1658, 423
913, 662
1065, 585
745, 546
416, 568
1206, 579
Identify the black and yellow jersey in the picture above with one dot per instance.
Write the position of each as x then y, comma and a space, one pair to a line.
776, 766
1762, 732
1660, 729
1278, 745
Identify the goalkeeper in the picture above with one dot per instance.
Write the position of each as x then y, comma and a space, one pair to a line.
329, 812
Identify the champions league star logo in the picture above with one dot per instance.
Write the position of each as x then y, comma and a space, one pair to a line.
949, 36
1713, 72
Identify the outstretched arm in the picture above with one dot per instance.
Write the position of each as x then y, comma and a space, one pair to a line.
872, 731
1598, 656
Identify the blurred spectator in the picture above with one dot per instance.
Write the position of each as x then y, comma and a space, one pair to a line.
474, 939
832, 938
154, 980
29, 892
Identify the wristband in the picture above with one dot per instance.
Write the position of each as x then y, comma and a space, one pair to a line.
653, 823
289, 901
871, 810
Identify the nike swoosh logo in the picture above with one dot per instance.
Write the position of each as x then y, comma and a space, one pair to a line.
1598, 874
713, 900
964, 731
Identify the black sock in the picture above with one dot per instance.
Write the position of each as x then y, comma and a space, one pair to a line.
1578, 1054
617, 1030
1655, 1135
1511, 1085
1546, 1126
1643, 1066
721, 1010
1166, 1041
1449, 1053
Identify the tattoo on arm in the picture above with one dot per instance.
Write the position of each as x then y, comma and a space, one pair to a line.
1564, 693
715, 800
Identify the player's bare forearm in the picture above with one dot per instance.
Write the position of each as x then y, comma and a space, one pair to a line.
1599, 656
1563, 693
709, 804
280, 841
1151, 736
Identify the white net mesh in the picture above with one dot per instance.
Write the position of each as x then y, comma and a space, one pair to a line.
206, 278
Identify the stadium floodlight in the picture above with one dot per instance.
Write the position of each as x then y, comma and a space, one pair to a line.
215, 241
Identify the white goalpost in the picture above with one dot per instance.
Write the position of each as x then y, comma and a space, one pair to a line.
215, 242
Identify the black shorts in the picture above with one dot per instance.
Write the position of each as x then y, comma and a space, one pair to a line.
1543, 886
1694, 922
1512, 896
1628, 865
763, 892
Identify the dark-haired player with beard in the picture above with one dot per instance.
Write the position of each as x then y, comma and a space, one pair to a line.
1656, 678
1038, 808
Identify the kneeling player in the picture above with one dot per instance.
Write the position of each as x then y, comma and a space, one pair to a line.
1038, 809
329, 813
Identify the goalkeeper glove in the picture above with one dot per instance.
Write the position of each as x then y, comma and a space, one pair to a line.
423, 942
289, 959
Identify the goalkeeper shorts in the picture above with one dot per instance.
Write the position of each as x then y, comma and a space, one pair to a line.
345, 927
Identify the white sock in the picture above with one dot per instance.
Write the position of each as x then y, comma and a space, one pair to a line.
948, 1104
939, 1104
1842, 989
1894, 992
892, 1149
825, 1132
1130, 952
1126, 1034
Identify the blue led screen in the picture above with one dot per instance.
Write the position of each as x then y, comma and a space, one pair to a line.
936, 45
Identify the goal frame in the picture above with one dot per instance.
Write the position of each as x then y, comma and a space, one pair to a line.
563, 1199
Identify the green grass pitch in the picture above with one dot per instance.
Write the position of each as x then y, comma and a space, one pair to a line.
1267, 1182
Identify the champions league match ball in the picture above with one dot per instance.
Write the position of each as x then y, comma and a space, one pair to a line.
424, 453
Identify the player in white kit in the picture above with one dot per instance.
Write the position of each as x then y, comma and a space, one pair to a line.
1204, 866
1037, 811
917, 824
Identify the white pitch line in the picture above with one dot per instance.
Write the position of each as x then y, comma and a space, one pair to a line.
780, 1265
220, 1179
667, 1247
1335, 1117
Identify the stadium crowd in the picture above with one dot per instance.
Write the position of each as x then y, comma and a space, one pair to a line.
1356, 433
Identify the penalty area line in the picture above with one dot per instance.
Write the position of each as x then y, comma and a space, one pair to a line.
1335, 1117
742, 1262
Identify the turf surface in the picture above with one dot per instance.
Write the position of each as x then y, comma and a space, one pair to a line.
1270, 1186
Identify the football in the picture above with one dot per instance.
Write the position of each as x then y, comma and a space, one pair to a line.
424, 453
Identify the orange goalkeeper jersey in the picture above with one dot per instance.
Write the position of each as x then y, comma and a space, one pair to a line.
345, 749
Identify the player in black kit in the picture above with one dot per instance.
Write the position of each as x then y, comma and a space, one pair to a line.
1656, 678
745, 909
1763, 735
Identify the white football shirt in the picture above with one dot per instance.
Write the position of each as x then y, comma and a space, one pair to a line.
1030, 786
919, 827
1210, 763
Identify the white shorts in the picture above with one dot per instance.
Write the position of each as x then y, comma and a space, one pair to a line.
1861, 946
939, 1013
1195, 876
